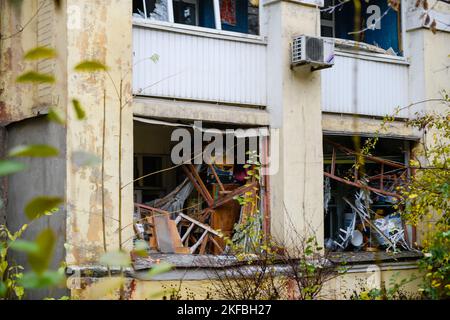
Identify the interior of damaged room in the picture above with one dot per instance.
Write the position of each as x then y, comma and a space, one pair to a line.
361, 200
196, 206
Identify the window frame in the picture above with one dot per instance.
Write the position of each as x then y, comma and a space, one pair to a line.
402, 40
218, 22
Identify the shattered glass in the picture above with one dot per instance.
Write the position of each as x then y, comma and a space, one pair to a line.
151, 9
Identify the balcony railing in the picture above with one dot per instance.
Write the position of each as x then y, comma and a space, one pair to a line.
199, 66
365, 85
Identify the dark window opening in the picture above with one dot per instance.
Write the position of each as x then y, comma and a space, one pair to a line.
175, 202
358, 218
379, 24
235, 15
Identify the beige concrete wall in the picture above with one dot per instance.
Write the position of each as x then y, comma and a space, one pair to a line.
295, 108
103, 34
429, 76
17, 102
340, 288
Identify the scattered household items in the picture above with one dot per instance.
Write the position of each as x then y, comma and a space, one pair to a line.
347, 233
357, 238
201, 228
371, 221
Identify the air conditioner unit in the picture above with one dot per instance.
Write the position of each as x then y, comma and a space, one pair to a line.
318, 52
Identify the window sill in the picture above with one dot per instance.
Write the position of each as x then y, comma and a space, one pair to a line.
362, 257
198, 31
363, 51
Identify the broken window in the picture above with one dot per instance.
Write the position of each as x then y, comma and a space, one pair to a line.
181, 206
378, 25
360, 205
231, 15
151, 9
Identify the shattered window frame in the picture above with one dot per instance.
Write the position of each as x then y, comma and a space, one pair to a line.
235, 16
360, 213
368, 36
168, 222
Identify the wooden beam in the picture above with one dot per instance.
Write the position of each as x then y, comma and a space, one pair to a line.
222, 188
201, 225
209, 200
361, 186
229, 197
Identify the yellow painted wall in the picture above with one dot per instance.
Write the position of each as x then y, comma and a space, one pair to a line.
340, 288
105, 35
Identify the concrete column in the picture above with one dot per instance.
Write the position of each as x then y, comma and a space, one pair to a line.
99, 30
294, 102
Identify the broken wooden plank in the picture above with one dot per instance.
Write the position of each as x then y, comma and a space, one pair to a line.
222, 188
198, 185
204, 244
163, 234
199, 242
238, 192
188, 232
201, 225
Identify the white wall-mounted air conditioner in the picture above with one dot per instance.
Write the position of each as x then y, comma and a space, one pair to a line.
315, 51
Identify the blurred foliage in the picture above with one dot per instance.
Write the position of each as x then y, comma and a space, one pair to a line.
435, 264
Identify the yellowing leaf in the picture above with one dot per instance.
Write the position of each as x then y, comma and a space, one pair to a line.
159, 269
54, 116
155, 58
41, 260
35, 77
34, 151
90, 66
39, 53
42, 206
81, 114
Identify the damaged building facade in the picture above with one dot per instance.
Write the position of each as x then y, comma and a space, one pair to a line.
211, 69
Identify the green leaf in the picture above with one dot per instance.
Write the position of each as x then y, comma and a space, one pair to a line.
159, 269
24, 246
41, 260
3, 289
54, 116
42, 206
90, 66
8, 167
116, 259
42, 280
34, 151
35, 77
155, 58
39, 53
81, 114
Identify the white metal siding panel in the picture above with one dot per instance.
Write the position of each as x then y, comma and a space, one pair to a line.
199, 68
366, 87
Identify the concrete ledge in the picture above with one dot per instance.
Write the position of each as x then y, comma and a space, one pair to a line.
342, 124
209, 112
